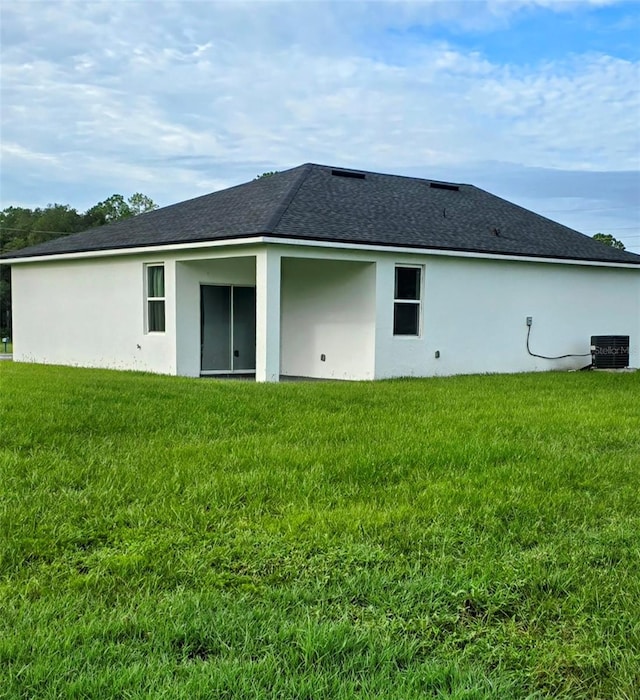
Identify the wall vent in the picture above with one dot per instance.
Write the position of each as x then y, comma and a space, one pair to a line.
610, 351
444, 186
348, 173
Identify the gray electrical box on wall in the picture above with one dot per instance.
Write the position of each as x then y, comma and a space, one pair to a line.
610, 351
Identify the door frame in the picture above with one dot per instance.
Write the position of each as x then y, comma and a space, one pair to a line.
213, 372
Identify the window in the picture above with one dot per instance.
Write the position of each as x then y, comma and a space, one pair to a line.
155, 298
406, 302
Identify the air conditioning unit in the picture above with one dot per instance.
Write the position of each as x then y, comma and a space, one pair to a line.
610, 351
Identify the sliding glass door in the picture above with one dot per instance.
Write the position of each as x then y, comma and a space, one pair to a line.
227, 328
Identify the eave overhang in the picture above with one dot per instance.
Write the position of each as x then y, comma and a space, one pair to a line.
269, 239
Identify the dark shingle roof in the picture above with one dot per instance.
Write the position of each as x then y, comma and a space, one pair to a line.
316, 202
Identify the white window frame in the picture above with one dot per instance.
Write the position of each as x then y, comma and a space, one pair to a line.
149, 299
417, 302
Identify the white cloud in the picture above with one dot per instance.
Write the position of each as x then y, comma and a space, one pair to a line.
181, 98
13, 154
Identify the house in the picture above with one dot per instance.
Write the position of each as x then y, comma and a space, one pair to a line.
325, 272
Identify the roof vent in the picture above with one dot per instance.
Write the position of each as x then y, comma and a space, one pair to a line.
444, 186
348, 173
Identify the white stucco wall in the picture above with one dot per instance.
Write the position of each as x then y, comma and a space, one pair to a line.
332, 302
474, 314
268, 289
90, 313
327, 308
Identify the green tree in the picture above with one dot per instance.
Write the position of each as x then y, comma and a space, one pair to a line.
15, 225
269, 173
140, 204
609, 240
53, 220
5, 304
116, 208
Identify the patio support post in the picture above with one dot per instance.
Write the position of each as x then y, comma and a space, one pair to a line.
268, 315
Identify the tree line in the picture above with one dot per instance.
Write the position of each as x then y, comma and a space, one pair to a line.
21, 227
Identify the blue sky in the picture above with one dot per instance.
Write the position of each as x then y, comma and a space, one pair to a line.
537, 33
537, 101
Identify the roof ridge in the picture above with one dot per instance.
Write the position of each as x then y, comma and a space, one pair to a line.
281, 209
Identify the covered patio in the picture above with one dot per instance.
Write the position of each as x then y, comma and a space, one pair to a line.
269, 314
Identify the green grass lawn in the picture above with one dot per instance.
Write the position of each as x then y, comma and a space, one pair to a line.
468, 537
